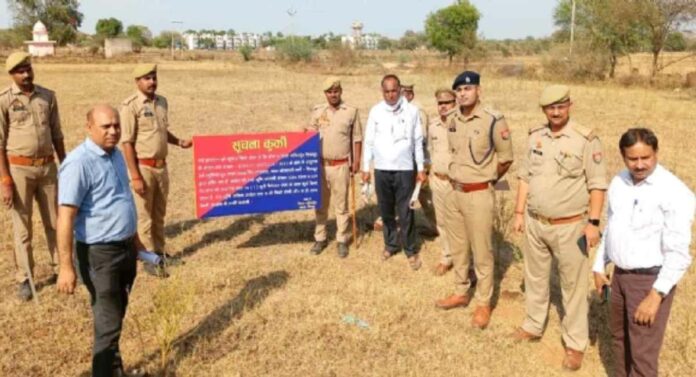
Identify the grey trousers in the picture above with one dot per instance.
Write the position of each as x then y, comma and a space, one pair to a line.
108, 270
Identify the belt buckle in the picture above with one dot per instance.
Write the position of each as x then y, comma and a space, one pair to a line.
159, 164
37, 162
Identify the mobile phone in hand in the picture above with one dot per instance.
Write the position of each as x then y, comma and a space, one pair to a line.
606, 292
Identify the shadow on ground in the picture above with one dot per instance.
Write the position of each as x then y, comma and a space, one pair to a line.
599, 332
180, 227
505, 256
202, 337
228, 233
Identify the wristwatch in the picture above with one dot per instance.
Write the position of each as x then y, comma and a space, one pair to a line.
661, 294
594, 222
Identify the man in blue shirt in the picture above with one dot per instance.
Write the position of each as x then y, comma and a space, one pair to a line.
97, 208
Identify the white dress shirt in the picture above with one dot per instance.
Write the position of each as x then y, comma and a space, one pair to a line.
393, 137
649, 224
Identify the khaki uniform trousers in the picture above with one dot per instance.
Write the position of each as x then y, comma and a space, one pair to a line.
470, 225
40, 183
545, 241
334, 185
441, 188
152, 207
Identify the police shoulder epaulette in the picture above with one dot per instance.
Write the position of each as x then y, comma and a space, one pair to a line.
536, 129
452, 115
318, 107
587, 133
39, 88
163, 99
130, 99
5, 90
494, 113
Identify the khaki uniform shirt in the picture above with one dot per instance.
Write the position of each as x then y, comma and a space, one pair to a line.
561, 169
475, 156
29, 124
144, 123
334, 129
438, 146
425, 123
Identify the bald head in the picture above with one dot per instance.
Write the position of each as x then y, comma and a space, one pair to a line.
104, 126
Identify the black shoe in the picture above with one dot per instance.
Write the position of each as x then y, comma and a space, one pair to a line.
24, 291
157, 270
342, 250
318, 247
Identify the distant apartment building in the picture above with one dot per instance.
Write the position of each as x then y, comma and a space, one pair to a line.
222, 41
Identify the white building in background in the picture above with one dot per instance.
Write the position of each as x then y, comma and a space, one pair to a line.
248, 39
359, 40
224, 41
190, 40
40, 45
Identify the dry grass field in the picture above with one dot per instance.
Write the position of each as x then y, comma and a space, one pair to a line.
255, 303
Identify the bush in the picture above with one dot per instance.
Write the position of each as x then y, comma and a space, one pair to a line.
295, 49
585, 64
246, 52
676, 42
342, 56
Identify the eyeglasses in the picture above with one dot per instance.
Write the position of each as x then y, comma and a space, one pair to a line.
445, 102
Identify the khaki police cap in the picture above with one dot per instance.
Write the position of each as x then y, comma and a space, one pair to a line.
554, 94
330, 82
407, 86
141, 70
16, 59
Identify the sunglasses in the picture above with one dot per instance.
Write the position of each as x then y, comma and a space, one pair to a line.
445, 102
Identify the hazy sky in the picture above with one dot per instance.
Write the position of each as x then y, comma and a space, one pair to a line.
499, 18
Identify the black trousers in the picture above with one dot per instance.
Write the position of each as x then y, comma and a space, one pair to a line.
108, 270
394, 190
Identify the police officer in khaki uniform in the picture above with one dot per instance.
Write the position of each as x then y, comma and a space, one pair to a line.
481, 153
560, 198
340, 133
30, 133
438, 150
145, 123
425, 197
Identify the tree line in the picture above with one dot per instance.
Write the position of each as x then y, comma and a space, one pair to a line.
608, 29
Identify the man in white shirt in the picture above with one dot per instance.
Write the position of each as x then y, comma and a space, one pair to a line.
647, 237
393, 143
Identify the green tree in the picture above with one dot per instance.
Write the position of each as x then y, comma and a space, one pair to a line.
109, 27
453, 29
676, 42
61, 17
385, 43
660, 18
164, 39
411, 40
139, 35
611, 27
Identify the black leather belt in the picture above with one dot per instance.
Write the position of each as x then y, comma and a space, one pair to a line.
123, 243
639, 271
